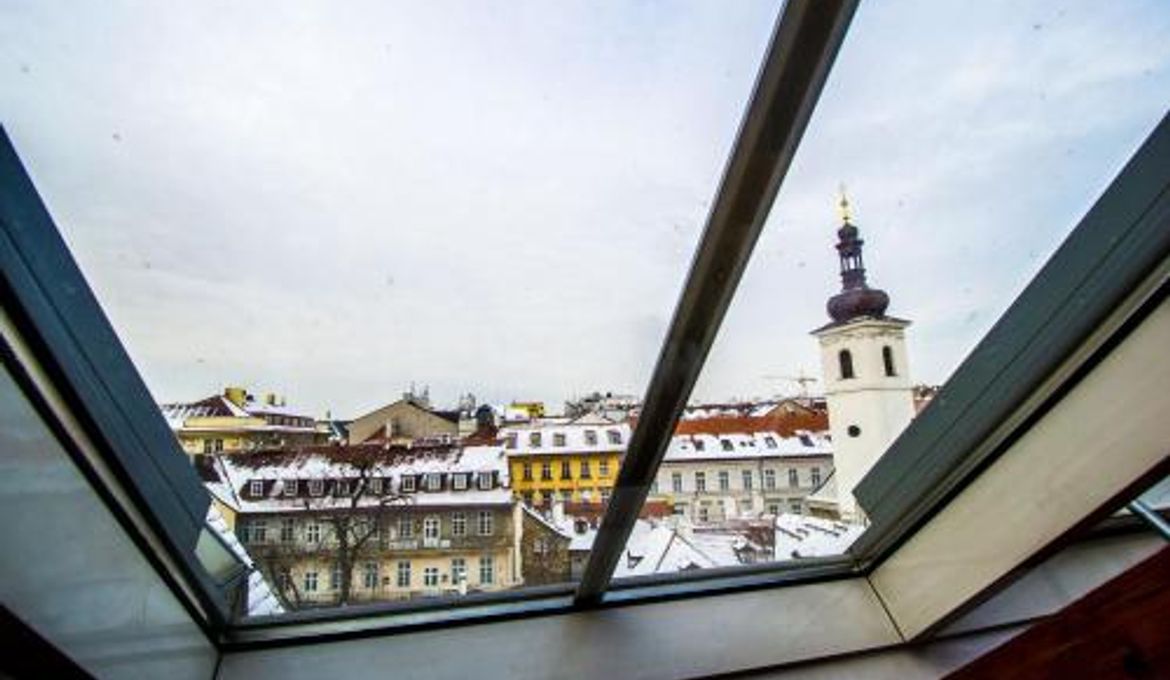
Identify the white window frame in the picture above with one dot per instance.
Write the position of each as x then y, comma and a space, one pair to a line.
769, 479
459, 482
403, 574
290, 487
407, 483
724, 478
432, 527
316, 487
485, 523
676, 482
256, 488
430, 577
747, 479
458, 524
406, 527
434, 481
700, 481
376, 486
485, 481
370, 573
614, 436
487, 570
310, 581
313, 532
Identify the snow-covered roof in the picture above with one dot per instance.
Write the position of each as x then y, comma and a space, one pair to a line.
280, 470
746, 445
800, 536
545, 437
261, 600
219, 406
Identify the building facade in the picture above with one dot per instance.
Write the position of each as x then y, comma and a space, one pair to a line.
404, 421
572, 461
237, 421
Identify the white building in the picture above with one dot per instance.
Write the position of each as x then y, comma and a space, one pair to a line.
865, 371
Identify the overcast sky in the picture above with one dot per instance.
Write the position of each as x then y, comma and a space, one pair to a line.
332, 200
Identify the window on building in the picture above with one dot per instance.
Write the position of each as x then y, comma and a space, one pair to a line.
255, 488
376, 486
485, 481
431, 577
654, 486
604, 495
284, 579
793, 477
458, 570
888, 360
591, 437
207, 446
510, 440
527, 471
699, 445
603, 467
726, 445
815, 475
676, 482
566, 496
487, 570
528, 498
403, 574
794, 506
485, 523
431, 527
259, 531
407, 483
405, 527
615, 437
290, 487
770, 442
316, 487
769, 479
335, 577
585, 474
700, 481
747, 480
724, 480
313, 532
534, 439
845, 362
566, 470
704, 513
370, 575
773, 508
458, 524
287, 526
558, 439
434, 481
459, 482
310, 582
341, 488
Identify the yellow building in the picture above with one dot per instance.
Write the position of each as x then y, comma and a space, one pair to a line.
559, 459
238, 421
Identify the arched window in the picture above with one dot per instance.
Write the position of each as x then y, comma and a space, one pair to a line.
845, 358
888, 360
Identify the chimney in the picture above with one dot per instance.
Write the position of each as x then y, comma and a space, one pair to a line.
270, 399
236, 395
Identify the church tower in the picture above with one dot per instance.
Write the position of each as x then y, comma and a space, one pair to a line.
864, 368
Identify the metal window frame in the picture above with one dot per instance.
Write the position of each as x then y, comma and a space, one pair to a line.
1115, 246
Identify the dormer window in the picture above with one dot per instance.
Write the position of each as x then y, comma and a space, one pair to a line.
485, 481
434, 482
510, 440
770, 442
459, 482
615, 437
290, 487
256, 488
534, 439
316, 487
376, 486
342, 487
559, 439
408, 483
699, 445
591, 437
726, 445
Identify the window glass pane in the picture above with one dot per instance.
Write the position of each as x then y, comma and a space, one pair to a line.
396, 277
968, 157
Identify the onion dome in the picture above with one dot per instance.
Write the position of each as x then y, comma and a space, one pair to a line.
856, 298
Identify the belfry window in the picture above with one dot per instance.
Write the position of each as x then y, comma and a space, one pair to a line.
888, 360
845, 359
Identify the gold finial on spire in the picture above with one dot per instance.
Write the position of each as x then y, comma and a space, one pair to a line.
844, 205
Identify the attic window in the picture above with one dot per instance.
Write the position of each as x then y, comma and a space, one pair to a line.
342, 487
485, 481
699, 445
290, 487
770, 442
534, 439
805, 440
434, 482
316, 487
376, 486
559, 439
256, 488
615, 437
726, 444
591, 437
459, 482
407, 483
510, 440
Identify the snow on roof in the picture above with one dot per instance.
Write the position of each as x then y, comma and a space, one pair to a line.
355, 461
746, 445
177, 414
546, 437
800, 536
261, 600
540, 518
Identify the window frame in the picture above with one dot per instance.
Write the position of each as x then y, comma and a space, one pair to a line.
62, 329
